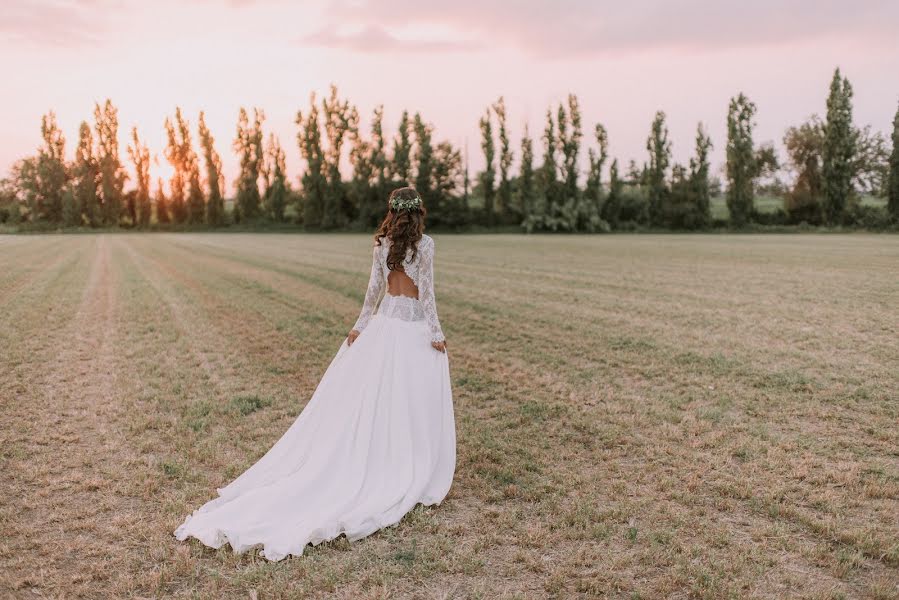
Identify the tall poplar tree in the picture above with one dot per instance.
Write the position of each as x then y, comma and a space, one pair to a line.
336, 114
313, 179
112, 173
504, 191
570, 136
140, 157
548, 175
741, 160
893, 181
699, 178
401, 165
611, 208
659, 148
379, 159
839, 150
488, 175
424, 161
527, 184
277, 189
215, 180
86, 173
176, 204
361, 190
196, 200
593, 193
163, 214
369, 160
249, 147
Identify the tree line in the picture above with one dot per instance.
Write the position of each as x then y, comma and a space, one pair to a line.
833, 163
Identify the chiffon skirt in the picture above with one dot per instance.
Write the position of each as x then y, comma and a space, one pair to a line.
376, 438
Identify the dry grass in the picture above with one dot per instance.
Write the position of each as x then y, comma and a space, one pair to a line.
638, 417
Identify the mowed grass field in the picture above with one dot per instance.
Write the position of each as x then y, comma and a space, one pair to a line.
656, 416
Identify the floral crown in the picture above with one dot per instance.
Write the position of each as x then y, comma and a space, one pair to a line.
413, 203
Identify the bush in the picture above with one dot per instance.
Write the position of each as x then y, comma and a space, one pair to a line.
634, 206
777, 217
869, 217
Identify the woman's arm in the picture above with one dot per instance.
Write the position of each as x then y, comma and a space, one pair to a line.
375, 286
426, 294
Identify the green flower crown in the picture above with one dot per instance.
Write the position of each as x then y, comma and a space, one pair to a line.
406, 203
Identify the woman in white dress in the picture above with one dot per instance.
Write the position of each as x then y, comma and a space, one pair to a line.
378, 435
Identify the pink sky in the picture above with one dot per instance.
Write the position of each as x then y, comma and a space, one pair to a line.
448, 60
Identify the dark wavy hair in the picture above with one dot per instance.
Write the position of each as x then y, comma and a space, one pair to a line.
402, 227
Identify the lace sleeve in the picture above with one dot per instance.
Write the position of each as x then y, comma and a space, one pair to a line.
426, 291
375, 285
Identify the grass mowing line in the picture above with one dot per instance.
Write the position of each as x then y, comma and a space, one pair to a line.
67, 424
19, 268
351, 292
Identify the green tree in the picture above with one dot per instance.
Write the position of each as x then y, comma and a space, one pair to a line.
870, 165
424, 160
215, 180
527, 185
659, 148
361, 190
369, 161
176, 204
448, 177
549, 193
591, 208
804, 146
741, 167
401, 166
839, 150
569, 139
313, 179
893, 181
45, 177
86, 174
611, 208
699, 178
504, 191
277, 190
140, 157
688, 196
336, 113
112, 173
249, 146
163, 215
486, 178
379, 164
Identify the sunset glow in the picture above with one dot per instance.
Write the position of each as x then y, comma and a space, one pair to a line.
447, 61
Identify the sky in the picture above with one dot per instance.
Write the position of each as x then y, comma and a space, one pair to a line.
448, 60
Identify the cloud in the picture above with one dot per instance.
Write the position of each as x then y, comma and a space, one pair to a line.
62, 23
591, 27
375, 38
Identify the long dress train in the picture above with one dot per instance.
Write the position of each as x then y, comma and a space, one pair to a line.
376, 438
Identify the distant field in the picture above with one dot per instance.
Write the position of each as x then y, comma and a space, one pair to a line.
770, 204
651, 416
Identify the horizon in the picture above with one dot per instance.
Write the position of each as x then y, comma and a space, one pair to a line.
623, 63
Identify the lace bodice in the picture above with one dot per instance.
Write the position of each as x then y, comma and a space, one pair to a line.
420, 270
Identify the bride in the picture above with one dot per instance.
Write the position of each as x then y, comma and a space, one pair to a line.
378, 435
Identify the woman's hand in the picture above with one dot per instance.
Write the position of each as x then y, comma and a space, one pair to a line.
441, 346
351, 337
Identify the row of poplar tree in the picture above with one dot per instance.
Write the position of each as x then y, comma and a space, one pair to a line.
833, 162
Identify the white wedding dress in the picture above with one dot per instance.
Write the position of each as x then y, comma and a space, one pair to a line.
376, 438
